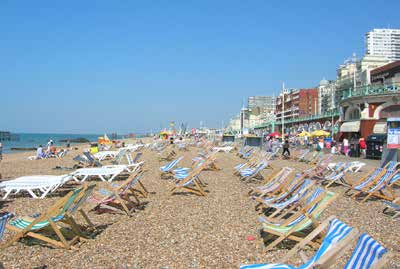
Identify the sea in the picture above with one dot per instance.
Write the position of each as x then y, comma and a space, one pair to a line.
33, 140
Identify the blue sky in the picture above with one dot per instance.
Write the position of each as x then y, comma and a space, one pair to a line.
126, 66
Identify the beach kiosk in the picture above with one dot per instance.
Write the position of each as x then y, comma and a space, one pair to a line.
228, 138
253, 141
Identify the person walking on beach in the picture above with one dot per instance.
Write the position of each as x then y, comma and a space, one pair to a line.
363, 146
346, 146
286, 148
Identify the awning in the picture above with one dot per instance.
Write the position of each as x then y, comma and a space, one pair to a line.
350, 127
380, 127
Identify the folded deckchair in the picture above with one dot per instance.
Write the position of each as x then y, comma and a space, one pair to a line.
292, 227
337, 236
37, 186
115, 196
104, 173
52, 218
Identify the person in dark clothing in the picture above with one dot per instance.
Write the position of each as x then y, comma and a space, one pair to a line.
286, 148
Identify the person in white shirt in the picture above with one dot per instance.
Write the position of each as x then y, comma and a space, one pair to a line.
346, 146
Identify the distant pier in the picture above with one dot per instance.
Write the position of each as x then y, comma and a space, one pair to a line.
8, 136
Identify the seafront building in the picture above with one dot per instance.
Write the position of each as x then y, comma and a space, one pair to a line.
366, 91
383, 43
259, 109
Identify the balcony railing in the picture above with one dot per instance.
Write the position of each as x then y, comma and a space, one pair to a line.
370, 90
328, 115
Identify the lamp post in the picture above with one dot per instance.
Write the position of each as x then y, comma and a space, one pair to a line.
283, 109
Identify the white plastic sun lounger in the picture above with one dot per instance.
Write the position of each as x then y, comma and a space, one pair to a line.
102, 155
224, 149
41, 184
104, 173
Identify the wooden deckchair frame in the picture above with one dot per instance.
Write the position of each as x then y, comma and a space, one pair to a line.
292, 234
377, 193
285, 172
120, 195
321, 232
192, 176
47, 216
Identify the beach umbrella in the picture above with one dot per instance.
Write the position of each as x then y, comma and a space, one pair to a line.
304, 133
275, 134
320, 133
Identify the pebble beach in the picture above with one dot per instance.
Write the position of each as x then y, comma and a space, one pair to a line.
181, 230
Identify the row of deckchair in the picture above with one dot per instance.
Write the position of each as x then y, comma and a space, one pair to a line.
338, 237
188, 178
291, 204
59, 219
39, 186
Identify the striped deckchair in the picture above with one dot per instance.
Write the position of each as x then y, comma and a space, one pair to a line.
368, 254
303, 219
375, 186
3, 221
249, 173
166, 169
279, 204
191, 182
271, 183
58, 212
383, 188
281, 189
116, 196
365, 181
337, 236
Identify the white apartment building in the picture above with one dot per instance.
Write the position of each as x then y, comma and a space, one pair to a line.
384, 43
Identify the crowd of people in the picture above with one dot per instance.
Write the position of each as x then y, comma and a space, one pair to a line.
317, 143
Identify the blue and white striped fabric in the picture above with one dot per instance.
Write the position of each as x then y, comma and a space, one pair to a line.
239, 166
366, 253
284, 194
391, 165
170, 165
253, 171
3, 222
300, 193
336, 232
374, 174
382, 181
312, 198
395, 178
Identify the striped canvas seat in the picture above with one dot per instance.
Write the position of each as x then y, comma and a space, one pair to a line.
376, 172
3, 221
24, 222
366, 254
337, 231
170, 165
